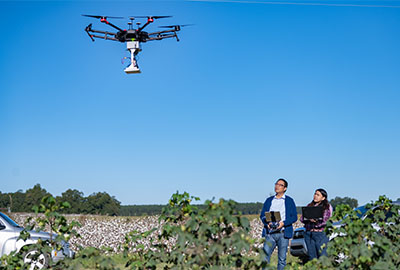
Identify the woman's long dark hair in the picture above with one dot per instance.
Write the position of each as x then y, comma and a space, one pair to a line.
324, 203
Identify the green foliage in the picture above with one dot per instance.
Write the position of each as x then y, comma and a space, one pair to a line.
23, 201
76, 200
34, 196
137, 254
91, 258
371, 242
249, 208
13, 261
53, 220
353, 203
215, 237
141, 210
156, 209
99, 203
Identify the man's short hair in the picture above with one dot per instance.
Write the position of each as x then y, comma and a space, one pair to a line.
284, 181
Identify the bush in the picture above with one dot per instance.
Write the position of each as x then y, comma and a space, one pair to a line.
215, 237
369, 243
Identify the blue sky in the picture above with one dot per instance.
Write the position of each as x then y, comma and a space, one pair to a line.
252, 92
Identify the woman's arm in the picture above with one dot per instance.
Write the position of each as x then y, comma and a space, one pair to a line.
327, 215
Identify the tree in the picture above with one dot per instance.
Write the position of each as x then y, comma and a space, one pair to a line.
33, 197
3, 200
18, 199
75, 199
353, 203
101, 203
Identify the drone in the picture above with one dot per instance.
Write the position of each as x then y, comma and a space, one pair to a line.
133, 37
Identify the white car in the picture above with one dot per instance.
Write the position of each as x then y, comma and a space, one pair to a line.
9, 234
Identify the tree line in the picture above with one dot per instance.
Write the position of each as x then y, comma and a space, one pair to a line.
101, 203
156, 209
244, 208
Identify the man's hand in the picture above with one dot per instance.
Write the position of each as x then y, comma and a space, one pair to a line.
280, 225
313, 220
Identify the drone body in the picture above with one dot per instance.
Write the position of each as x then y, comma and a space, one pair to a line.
133, 37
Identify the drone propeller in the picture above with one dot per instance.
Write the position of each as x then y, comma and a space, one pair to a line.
173, 26
177, 27
152, 17
101, 17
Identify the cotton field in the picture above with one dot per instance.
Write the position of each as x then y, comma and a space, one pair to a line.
109, 232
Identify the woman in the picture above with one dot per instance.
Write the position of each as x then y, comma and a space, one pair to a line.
315, 237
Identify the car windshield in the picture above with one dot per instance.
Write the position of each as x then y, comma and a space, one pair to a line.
9, 220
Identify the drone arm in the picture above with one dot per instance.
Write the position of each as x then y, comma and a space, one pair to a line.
88, 29
149, 21
103, 20
163, 34
163, 37
144, 25
90, 35
102, 32
105, 35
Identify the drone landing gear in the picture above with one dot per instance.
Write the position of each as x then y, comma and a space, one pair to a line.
134, 48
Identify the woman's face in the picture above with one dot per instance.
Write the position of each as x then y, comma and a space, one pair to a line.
318, 197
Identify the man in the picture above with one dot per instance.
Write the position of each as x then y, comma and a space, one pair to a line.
279, 237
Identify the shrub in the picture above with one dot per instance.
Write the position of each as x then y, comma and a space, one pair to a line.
214, 237
371, 242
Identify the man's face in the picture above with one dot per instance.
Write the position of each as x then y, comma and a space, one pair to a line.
280, 187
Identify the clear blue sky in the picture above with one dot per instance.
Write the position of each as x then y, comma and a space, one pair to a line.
251, 93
